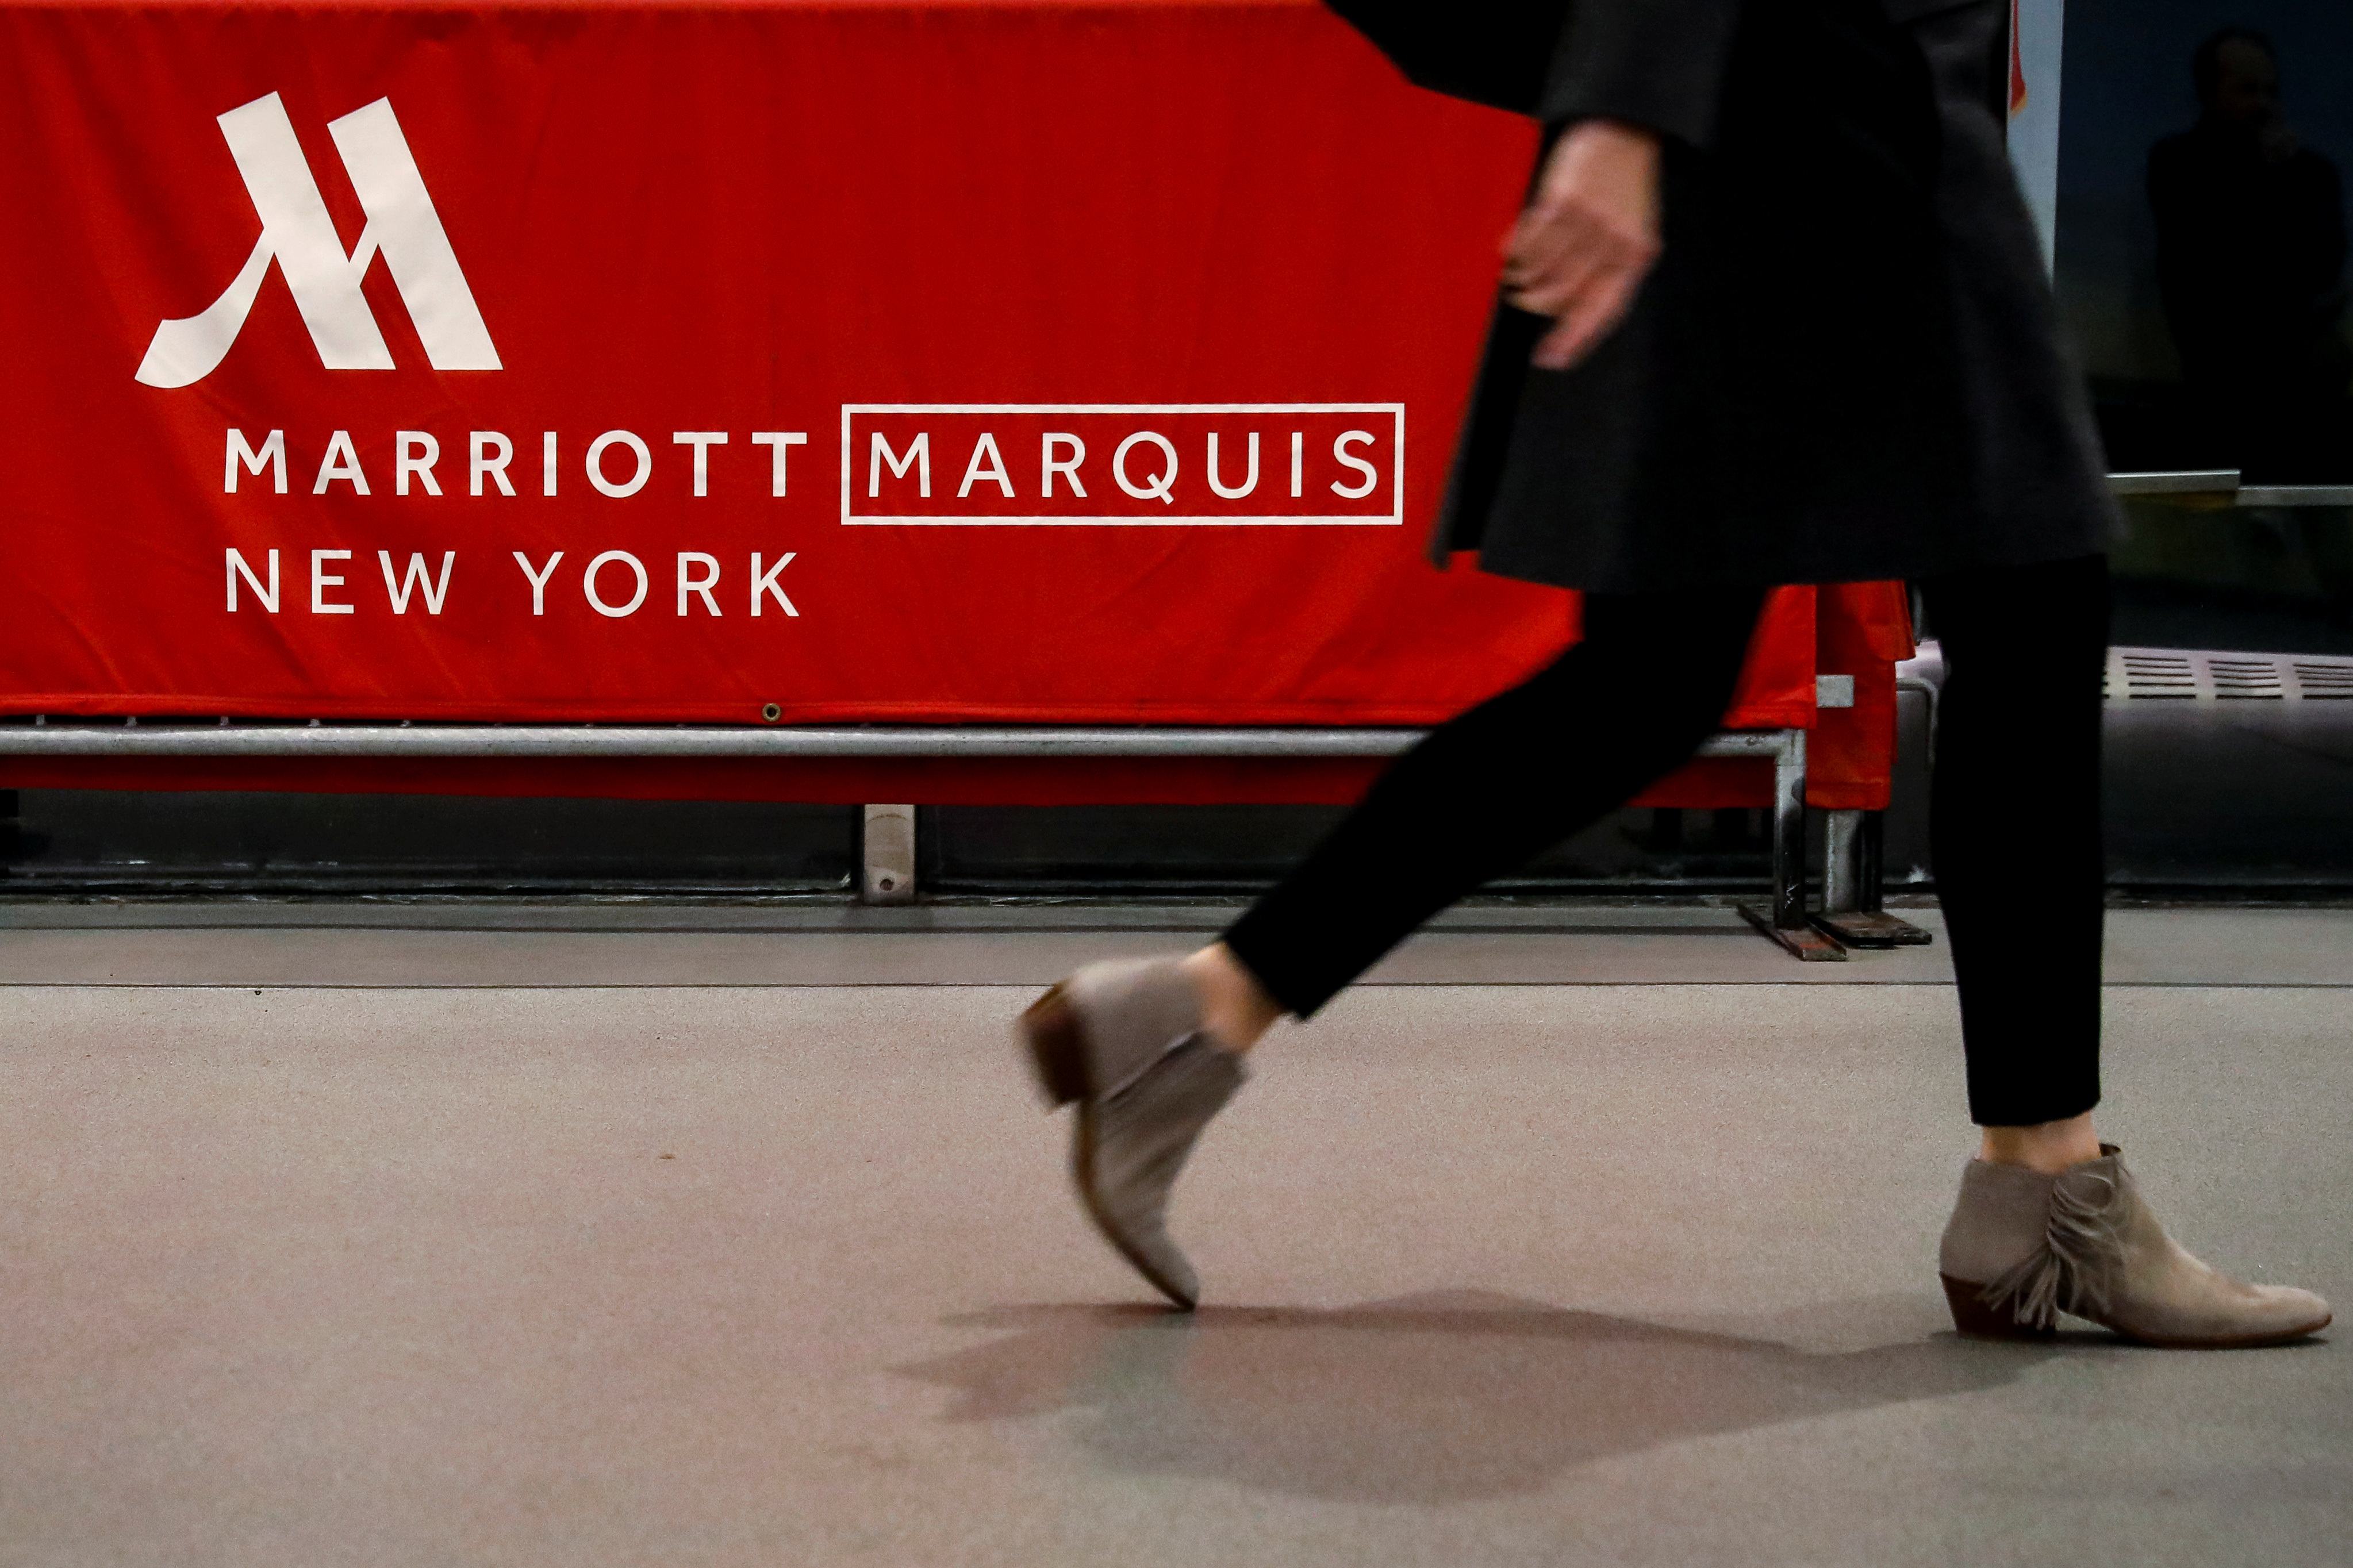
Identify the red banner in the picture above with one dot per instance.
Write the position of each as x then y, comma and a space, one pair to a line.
1090, 362
645, 362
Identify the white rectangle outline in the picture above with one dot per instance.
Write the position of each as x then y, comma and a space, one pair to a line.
1396, 519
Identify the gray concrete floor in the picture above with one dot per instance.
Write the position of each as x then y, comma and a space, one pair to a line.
685, 1236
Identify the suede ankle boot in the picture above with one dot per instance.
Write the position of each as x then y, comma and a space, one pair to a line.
1125, 1043
2023, 1247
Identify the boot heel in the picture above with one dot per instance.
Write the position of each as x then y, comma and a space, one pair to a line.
1051, 1029
1978, 1322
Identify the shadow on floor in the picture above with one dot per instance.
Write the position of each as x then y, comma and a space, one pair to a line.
1439, 1398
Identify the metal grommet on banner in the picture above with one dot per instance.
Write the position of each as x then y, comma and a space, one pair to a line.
771, 712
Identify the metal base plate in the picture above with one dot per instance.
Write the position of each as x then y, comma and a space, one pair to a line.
1804, 942
1871, 928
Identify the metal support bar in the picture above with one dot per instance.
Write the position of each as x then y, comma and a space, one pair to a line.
1784, 921
1841, 862
2295, 495
1790, 832
888, 852
1871, 863
887, 856
1850, 891
2176, 482
84, 737
2229, 482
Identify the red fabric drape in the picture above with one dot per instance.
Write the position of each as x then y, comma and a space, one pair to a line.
1137, 227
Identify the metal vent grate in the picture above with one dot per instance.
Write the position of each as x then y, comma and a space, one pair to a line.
2150, 672
2255, 678
2197, 676
2330, 678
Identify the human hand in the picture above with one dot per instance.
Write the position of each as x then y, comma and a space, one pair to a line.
1589, 235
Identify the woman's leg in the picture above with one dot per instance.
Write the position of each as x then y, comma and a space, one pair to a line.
1481, 796
1146, 1052
2015, 829
2049, 1220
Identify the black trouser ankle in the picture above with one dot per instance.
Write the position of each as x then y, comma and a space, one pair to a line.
2014, 829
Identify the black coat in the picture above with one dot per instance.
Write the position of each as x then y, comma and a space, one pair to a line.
1843, 365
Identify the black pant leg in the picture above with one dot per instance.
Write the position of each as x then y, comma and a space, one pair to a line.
1485, 793
2015, 829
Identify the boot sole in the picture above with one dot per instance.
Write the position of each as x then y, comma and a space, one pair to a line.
2234, 1343
1057, 1050
1974, 1319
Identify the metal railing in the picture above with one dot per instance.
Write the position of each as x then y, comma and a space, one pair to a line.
2228, 482
120, 739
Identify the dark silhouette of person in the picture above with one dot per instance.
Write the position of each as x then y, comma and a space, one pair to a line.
2249, 264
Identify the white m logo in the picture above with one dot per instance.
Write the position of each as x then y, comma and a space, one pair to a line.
296, 229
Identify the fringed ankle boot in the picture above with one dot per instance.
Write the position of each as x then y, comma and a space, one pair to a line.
2024, 1248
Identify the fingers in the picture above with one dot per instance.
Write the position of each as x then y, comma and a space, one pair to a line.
1585, 285
1569, 259
1563, 247
1591, 317
1581, 248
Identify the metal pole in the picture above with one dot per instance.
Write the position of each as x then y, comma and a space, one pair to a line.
1863, 922
46, 738
1785, 920
1790, 832
1842, 861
